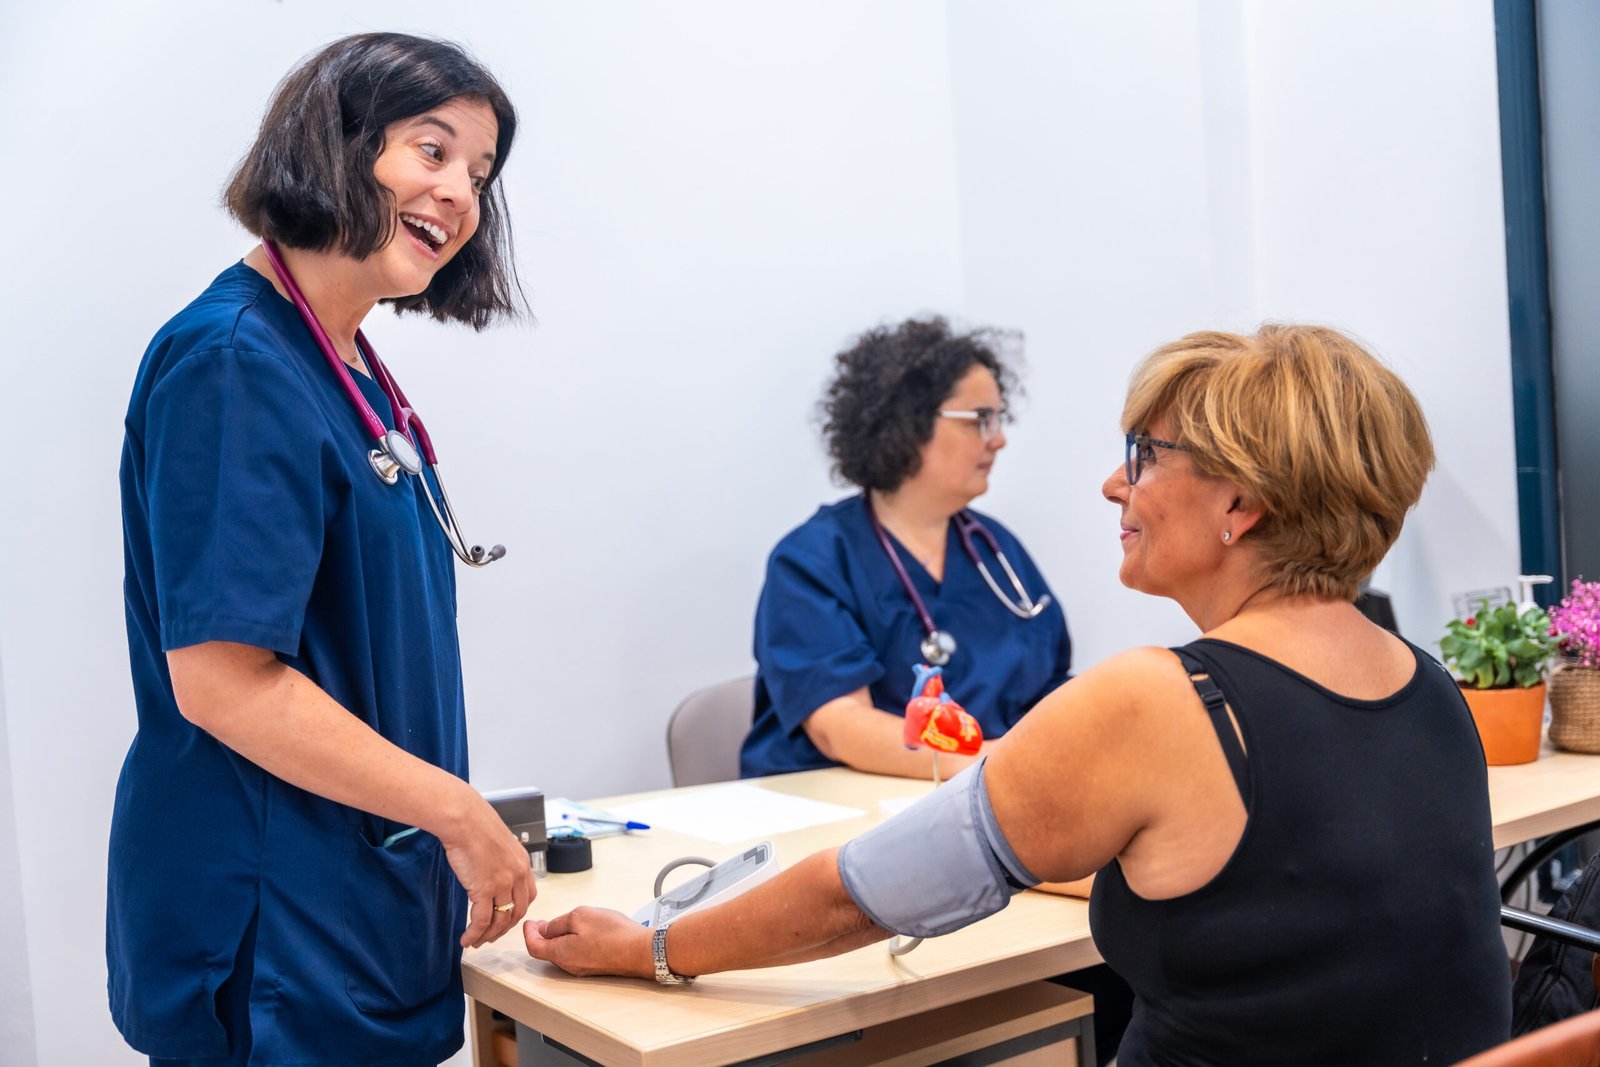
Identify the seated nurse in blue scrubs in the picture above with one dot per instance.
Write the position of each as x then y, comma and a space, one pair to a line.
915, 417
295, 848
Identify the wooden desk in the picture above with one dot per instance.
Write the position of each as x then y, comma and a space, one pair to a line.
1556, 791
740, 1015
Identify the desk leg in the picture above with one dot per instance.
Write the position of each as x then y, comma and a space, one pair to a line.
1088, 1055
480, 1019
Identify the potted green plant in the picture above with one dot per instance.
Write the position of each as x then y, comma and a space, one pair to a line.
1575, 687
1500, 656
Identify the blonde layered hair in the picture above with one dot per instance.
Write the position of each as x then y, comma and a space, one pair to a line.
1328, 441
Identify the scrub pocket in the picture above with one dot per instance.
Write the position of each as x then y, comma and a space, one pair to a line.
398, 909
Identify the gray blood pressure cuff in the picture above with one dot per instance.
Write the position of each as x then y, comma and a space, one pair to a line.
937, 866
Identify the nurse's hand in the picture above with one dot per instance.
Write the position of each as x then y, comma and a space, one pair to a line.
492, 867
588, 941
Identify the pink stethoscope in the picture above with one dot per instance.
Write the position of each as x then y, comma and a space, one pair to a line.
396, 452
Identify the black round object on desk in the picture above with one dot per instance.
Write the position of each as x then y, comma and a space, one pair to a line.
569, 854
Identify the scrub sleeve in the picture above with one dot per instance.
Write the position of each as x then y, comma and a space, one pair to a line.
250, 515
813, 647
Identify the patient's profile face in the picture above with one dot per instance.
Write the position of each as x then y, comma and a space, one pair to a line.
1172, 520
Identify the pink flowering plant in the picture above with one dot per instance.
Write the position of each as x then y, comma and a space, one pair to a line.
1577, 621
1500, 648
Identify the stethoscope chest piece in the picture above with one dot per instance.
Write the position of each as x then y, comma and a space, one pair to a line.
938, 647
397, 454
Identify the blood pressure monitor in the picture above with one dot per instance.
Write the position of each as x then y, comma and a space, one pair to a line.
711, 887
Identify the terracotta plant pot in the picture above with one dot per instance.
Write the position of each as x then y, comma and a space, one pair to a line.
1508, 722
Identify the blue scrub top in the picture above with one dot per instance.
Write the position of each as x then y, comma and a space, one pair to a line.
834, 617
250, 514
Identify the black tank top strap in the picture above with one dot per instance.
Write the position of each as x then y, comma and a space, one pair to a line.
1217, 708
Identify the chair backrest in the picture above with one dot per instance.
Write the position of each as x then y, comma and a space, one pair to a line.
1573, 1042
706, 730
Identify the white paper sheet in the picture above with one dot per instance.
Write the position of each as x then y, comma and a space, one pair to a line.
734, 812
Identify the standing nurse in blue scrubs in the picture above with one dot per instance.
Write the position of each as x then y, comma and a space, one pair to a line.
915, 416
296, 856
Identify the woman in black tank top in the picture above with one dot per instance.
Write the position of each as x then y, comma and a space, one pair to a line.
1306, 874
1289, 816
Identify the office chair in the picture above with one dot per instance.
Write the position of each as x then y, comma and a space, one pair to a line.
706, 730
1560, 976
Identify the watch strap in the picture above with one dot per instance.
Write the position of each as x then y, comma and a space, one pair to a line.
658, 952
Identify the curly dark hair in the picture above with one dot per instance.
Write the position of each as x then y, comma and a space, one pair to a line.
879, 410
308, 180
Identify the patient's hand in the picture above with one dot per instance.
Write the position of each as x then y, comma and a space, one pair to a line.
588, 941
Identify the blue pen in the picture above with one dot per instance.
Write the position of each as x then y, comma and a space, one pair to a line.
626, 824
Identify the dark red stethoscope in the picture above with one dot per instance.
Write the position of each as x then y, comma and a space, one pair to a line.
938, 646
397, 448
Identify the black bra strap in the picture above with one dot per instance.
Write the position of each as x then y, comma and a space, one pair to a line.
1217, 707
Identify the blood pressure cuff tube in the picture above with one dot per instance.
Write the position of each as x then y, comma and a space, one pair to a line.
937, 866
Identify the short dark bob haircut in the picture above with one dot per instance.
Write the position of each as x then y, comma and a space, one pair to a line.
308, 181
879, 410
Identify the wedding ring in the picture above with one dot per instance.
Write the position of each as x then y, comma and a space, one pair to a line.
507, 906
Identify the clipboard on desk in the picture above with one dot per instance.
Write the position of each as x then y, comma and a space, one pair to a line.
562, 813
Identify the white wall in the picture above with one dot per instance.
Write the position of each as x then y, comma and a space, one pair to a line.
1085, 222
709, 198
16, 994
1376, 181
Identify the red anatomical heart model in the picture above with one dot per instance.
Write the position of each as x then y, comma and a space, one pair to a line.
935, 721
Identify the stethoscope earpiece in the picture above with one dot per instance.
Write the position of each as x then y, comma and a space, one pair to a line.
480, 557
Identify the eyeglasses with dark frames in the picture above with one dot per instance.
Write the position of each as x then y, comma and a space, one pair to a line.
1142, 453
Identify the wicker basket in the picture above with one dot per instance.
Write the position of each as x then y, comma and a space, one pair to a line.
1575, 709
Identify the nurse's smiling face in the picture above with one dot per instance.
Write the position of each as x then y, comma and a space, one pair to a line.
436, 164
957, 459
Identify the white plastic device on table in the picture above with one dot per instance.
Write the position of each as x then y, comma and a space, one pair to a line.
722, 882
